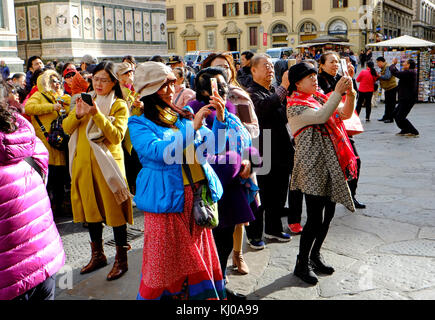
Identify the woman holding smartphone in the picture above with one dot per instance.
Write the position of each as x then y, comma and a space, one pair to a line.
99, 192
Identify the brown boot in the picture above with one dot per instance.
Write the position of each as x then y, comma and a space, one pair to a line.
98, 259
120, 266
239, 263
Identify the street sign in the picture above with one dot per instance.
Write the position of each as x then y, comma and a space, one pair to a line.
264, 39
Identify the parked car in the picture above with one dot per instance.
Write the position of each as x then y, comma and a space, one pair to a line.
195, 58
277, 53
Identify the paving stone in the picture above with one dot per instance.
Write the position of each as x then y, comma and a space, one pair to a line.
420, 247
350, 242
387, 230
427, 233
376, 294
396, 273
425, 294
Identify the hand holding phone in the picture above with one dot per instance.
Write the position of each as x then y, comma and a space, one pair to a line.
87, 98
344, 69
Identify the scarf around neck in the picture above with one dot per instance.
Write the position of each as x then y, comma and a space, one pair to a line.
335, 127
108, 165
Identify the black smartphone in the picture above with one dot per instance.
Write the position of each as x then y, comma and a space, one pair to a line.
86, 97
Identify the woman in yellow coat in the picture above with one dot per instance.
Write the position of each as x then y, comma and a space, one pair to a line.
46, 104
99, 192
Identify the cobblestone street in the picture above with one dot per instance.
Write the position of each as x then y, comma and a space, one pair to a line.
386, 251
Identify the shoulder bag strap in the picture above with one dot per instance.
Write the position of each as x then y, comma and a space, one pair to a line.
35, 166
39, 121
188, 173
179, 96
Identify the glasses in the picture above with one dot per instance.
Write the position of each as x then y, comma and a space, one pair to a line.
102, 80
268, 66
223, 66
69, 75
167, 84
13, 91
55, 81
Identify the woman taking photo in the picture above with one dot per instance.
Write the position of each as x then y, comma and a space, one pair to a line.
44, 106
239, 99
367, 79
323, 160
99, 191
180, 260
328, 78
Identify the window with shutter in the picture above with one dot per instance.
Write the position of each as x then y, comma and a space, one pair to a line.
307, 5
209, 10
279, 5
170, 14
189, 12
253, 36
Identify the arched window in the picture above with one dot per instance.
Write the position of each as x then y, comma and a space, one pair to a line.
279, 35
337, 28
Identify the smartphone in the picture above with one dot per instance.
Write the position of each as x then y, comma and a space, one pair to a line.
214, 86
86, 97
344, 69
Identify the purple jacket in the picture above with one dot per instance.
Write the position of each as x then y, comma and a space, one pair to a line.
30, 246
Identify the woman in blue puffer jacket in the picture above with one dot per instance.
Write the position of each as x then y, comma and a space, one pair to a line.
180, 260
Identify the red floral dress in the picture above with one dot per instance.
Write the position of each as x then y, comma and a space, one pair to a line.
180, 259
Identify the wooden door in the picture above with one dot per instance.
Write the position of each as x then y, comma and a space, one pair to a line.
191, 45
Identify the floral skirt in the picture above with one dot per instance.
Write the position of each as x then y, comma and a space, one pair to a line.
180, 259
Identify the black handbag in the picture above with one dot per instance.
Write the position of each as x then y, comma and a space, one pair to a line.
57, 138
204, 210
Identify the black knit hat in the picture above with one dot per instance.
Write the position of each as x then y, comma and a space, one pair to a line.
299, 71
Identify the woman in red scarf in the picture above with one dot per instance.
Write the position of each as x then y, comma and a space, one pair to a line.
323, 160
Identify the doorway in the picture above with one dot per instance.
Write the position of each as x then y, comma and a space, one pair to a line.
232, 44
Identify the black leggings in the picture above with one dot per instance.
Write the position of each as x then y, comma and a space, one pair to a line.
364, 100
223, 238
317, 225
96, 233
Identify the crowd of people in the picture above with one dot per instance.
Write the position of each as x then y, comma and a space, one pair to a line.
126, 122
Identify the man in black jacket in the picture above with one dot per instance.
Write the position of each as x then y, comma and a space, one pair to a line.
270, 109
244, 76
408, 93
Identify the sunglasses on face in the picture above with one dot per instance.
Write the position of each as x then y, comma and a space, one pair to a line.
13, 91
69, 75
55, 81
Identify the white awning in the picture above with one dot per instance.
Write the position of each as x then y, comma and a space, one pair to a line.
403, 41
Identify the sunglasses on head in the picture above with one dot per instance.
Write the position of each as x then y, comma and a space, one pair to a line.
69, 75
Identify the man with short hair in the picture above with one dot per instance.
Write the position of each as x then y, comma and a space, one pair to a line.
19, 81
244, 76
408, 93
33, 63
270, 109
389, 84
189, 73
80, 82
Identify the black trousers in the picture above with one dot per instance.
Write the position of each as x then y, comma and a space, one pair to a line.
295, 198
320, 212
96, 233
400, 115
132, 168
353, 184
365, 100
273, 193
390, 103
56, 187
223, 238
43, 291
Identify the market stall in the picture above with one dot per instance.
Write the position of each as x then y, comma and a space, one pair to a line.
407, 47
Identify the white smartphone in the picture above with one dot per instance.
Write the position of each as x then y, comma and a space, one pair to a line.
214, 86
343, 64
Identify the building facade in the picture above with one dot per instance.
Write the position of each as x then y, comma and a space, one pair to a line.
237, 25
424, 20
69, 29
397, 18
8, 37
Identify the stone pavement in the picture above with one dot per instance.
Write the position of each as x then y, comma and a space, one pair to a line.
386, 251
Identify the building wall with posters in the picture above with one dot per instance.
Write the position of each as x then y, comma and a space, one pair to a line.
258, 25
8, 37
69, 29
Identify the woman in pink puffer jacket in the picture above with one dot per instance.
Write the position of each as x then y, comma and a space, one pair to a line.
31, 250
